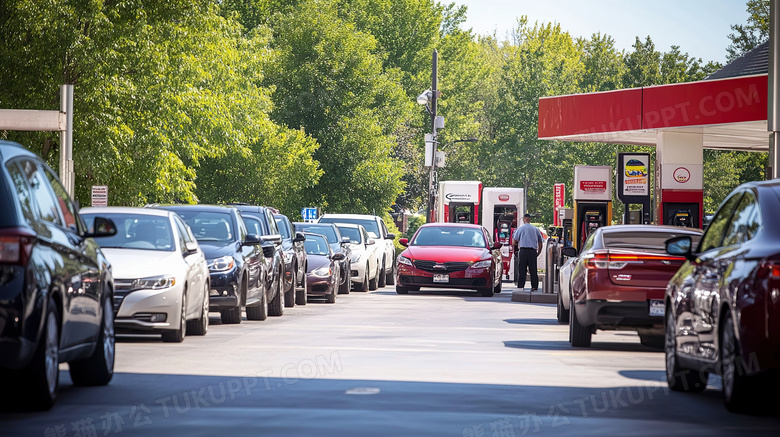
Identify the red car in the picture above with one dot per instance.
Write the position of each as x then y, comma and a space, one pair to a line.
723, 305
449, 255
619, 280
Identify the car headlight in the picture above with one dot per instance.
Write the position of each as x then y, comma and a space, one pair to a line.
357, 257
221, 264
405, 260
153, 283
322, 271
484, 264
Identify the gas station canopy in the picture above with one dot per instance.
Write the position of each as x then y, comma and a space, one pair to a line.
729, 110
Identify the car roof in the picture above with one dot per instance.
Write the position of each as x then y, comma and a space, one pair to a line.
451, 225
199, 207
347, 225
125, 210
11, 149
352, 216
649, 228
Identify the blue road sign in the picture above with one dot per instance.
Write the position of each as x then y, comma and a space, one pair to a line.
309, 213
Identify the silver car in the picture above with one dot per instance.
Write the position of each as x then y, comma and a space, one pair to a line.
160, 273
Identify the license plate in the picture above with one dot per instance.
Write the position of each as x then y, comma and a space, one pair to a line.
657, 307
441, 279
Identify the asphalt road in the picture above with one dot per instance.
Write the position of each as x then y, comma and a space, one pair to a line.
382, 364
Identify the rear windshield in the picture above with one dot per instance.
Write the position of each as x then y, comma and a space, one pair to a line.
325, 230
651, 241
449, 236
316, 245
210, 226
352, 233
370, 224
284, 229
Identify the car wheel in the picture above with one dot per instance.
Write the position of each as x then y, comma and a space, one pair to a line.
391, 275
332, 296
677, 378
499, 287
302, 293
487, 291
653, 341
373, 284
561, 312
276, 307
42, 377
177, 335
580, 336
344, 287
401, 290
289, 295
382, 275
99, 368
200, 326
260, 310
740, 391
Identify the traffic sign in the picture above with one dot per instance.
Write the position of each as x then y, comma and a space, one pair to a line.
309, 214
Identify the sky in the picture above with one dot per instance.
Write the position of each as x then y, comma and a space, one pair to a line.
699, 27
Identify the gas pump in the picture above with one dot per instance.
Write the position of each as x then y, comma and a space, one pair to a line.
504, 231
499, 212
681, 214
592, 201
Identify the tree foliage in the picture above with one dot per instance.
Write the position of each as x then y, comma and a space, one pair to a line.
747, 36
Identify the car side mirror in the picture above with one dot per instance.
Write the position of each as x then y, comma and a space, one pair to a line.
299, 237
251, 240
104, 227
680, 246
338, 256
390, 236
404, 242
191, 246
569, 251
370, 241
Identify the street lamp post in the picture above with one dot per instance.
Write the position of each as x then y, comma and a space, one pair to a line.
433, 98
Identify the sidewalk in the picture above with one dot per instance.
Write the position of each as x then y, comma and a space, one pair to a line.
525, 294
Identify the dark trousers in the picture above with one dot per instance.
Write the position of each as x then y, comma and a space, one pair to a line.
526, 261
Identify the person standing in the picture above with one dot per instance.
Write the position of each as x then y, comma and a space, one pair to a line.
527, 243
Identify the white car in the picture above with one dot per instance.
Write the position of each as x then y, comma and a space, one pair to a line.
564, 290
365, 256
161, 279
378, 231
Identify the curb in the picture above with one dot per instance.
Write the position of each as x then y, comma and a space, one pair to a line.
537, 297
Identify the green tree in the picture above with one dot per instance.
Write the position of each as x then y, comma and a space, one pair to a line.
747, 36
329, 82
642, 65
603, 66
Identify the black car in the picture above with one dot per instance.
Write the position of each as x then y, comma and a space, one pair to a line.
723, 305
260, 220
339, 244
56, 286
236, 261
294, 258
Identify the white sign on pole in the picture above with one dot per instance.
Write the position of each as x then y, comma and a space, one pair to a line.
99, 195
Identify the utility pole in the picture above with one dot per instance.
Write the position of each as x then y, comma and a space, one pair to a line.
773, 116
432, 175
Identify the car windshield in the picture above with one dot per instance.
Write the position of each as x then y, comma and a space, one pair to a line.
352, 233
316, 245
449, 236
210, 226
135, 231
326, 230
371, 226
650, 241
283, 228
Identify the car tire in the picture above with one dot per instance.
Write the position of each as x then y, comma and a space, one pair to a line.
41, 379
276, 307
302, 293
289, 295
579, 336
401, 290
345, 286
561, 312
177, 335
381, 276
678, 378
331, 298
99, 368
200, 326
741, 393
498, 287
258, 311
373, 284
487, 291
390, 278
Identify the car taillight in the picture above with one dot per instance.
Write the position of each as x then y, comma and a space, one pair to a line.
770, 270
606, 260
16, 245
